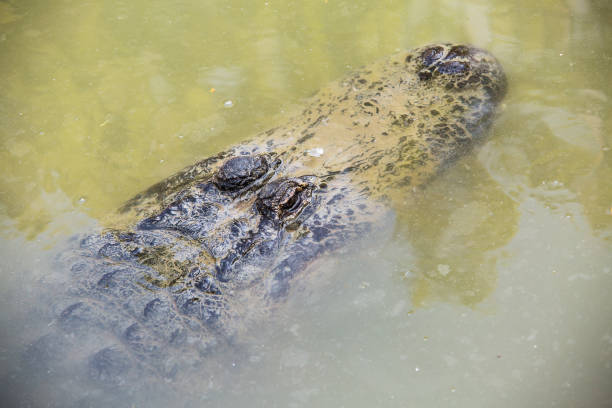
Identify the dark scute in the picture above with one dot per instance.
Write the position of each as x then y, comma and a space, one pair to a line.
113, 251
238, 172
205, 282
140, 339
431, 55
108, 366
77, 316
151, 308
107, 280
161, 318
133, 334
204, 307
453, 67
79, 267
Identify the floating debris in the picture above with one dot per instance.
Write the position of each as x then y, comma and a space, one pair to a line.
316, 152
443, 269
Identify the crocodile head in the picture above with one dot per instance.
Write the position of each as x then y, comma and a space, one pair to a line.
215, 244
269, 208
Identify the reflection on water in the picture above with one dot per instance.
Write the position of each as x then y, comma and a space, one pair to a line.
495, 285
456, 228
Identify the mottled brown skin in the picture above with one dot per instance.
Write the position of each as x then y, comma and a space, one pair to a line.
392, 124
217, 245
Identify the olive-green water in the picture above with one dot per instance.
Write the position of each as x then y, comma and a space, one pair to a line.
494, 288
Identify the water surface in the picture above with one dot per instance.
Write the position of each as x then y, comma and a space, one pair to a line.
493, 287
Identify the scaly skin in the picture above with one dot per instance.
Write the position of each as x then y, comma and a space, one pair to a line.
217, 245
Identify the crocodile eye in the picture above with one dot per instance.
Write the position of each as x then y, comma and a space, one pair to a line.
284, 198
241, 171
294, 202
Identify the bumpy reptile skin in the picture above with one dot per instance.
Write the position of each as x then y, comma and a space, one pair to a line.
216, 246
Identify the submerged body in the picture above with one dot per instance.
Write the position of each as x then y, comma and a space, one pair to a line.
216, 246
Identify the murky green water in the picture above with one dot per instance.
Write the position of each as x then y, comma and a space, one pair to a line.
495, 287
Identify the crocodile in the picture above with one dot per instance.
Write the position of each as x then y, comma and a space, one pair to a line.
213, 249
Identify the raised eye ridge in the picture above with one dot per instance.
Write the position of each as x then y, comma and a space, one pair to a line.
240, 172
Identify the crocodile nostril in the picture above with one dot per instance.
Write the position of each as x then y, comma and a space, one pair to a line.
238, 172
431, 55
